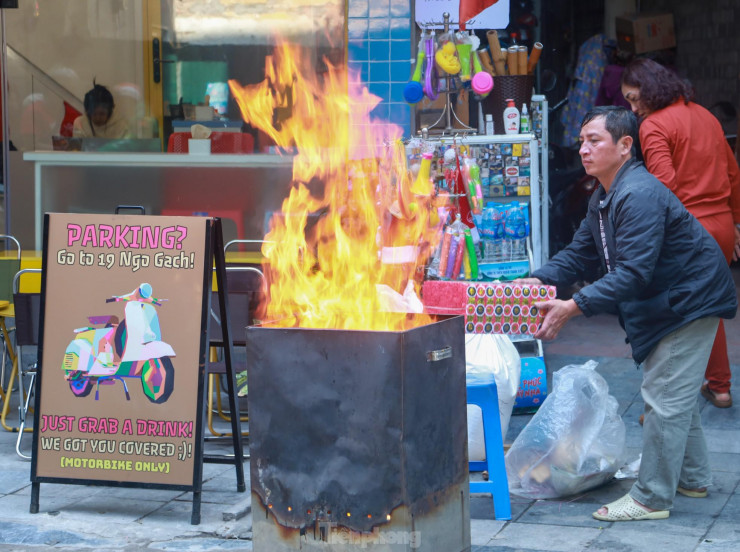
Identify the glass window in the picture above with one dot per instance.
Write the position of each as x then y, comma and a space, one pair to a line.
101, 93
127, 74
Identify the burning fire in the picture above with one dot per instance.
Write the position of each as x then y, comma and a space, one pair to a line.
351, 220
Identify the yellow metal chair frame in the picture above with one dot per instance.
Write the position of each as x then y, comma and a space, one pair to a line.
9, 267
28, 315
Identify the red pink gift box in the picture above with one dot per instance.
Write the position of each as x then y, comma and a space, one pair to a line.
503, 308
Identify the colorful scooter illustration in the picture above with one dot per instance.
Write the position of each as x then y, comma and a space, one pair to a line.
110, 351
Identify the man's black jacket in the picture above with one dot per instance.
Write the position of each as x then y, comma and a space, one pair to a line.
664, 270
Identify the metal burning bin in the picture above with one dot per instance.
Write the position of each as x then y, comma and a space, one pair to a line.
358, 439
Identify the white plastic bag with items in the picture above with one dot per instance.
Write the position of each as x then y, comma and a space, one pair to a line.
575, 441
486, 355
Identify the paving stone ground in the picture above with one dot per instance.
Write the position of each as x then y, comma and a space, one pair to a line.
78, 518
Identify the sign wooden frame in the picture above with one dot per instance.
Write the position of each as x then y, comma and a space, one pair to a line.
133, 442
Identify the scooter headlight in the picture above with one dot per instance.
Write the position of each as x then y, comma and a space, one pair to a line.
145, 290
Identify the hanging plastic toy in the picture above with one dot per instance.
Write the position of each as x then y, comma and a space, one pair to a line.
446, 56
464, 48
431, 80
413, 92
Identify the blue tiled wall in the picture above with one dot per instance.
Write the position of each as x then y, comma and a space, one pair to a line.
379, 33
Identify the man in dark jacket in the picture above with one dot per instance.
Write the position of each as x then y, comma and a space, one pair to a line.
667, 279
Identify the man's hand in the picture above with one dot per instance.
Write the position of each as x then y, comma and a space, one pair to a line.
557, 313
736, 249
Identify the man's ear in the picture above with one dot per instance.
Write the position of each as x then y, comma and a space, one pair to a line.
625, 144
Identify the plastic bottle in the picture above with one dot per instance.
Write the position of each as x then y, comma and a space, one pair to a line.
491, 233
499, 214
516, 231
524, 126
489, 124
485, 229
511, 118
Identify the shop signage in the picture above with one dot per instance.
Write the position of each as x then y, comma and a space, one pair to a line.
125, 303
429, 13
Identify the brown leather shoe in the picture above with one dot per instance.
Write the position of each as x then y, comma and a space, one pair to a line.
712, 398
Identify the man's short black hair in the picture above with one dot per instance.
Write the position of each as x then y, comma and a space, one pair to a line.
618, 121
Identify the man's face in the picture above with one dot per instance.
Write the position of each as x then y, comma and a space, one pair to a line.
100, 115
600, 156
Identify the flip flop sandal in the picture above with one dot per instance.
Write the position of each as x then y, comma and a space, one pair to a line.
692, 493
626, 509
712, 398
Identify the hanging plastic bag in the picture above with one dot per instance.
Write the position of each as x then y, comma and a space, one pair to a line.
489, 355
575, 441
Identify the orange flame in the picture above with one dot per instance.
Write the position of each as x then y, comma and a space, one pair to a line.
350, 221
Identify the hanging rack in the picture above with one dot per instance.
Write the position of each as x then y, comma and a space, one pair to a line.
448, 111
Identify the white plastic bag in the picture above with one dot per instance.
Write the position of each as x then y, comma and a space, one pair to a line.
486, 355
575, 441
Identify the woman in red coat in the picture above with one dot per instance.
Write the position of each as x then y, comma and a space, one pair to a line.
685, 148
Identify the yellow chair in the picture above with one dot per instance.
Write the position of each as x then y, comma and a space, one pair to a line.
243, 283
10, 264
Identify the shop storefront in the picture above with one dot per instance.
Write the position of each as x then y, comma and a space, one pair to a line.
167, 66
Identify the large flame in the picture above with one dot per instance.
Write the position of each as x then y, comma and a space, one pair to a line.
350, 221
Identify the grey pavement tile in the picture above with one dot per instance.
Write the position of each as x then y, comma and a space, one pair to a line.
609, 492
567, 513
638, 536
731, 509
31, 535
18, 505
482, 531
723, 536
726, 441
118, 510
481, 506
686, 523
159, 495
724, 482
224, 497
722, 461
226, 482
58, 489
712, 505
14, 477
503, 549
202, 544
179, 511
551, 538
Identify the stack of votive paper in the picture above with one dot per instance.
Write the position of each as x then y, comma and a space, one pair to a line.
499, 308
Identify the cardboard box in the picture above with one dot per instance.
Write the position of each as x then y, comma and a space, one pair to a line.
532, 389
640, 33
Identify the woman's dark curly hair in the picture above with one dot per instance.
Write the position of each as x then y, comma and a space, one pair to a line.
659, 87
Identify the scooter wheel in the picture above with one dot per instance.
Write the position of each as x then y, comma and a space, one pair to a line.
80, 384
158, 379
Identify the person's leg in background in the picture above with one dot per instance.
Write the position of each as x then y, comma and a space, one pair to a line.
717, 387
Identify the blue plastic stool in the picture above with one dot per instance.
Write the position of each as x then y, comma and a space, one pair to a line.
482, 392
